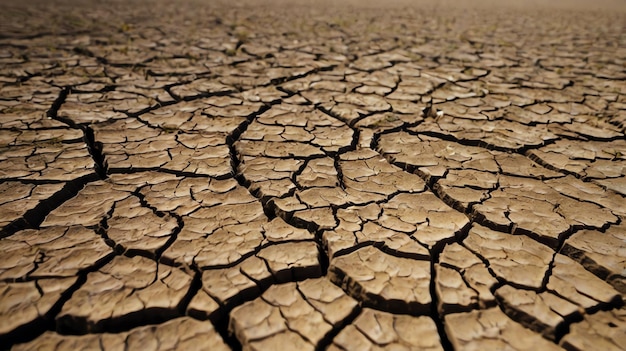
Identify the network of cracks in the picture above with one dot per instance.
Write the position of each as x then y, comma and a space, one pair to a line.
246, 186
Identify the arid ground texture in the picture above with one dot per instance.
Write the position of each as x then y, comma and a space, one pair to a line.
302, 175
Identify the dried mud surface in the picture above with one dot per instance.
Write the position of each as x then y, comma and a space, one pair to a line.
271, 175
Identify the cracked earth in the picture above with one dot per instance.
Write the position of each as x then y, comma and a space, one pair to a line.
263, 175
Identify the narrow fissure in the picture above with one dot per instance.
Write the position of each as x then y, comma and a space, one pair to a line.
35, 216
95, 150
434, 312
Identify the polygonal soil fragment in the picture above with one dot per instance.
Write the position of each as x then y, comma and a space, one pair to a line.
571, 281
303, 313
54, 155
269, 177
292, 261
276, 263
538, 210
386, 282
126, 290
602, 161
429, 219
432, 157
491, 329
618, 185
99, 107
226, 227
583, 191
407, 223
367, 174
513, 258
312, 219
97, 200
453, 292
184, 196
89, 206
349, 108
129, 144
464, 188
277, 149
318, 172
138, 228
28, 302
604, 330
359, 225
178, 334
320, 130
24, 106
17, 199
603, 254
377, 330
230, 286
474, 273
544, 313
51, 252
501, 134
224, 246
216, 114
199, 88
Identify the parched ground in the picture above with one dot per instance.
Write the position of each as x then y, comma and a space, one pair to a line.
312, 175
